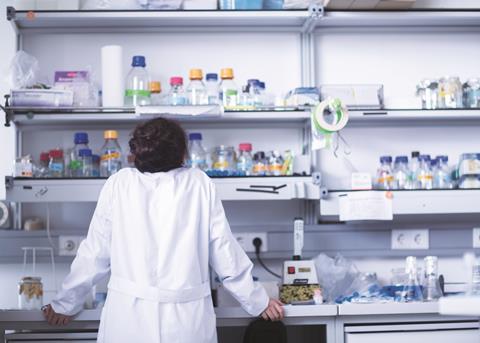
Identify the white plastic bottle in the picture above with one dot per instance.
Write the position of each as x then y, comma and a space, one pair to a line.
137, 91
228, 89
196, 91
211, 86
197, 157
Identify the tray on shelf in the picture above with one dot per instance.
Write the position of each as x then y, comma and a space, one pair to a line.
451, 201
228, 188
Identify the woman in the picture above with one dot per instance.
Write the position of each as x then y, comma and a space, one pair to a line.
156, 229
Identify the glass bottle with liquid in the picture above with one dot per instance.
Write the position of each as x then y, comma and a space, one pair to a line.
111, 158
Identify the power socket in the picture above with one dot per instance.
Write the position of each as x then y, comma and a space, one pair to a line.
410, 239
68, 245
245, 239
476, 237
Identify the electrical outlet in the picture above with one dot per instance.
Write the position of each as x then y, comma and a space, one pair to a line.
476, 237
245, 239
68, 245
410, 239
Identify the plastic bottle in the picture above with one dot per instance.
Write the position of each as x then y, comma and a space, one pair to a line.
56, 164
245, 160
197, 157
259, 164
111, 158
441, 174
275, 163
137, 91
413, 167
400, 172
424, 174
95, 166
85, 157
228, 89
211, 87
412, 290
196, 91
155, 93
176, 95
431, 287
74, 166
385, 179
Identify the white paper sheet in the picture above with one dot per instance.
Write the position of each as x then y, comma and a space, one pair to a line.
368, 205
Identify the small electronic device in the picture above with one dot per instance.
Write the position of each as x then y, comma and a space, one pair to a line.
299, 276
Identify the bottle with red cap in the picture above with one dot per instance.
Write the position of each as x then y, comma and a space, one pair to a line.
177, 94
245, 160
56, 165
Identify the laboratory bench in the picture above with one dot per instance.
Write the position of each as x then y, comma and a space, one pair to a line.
339, 321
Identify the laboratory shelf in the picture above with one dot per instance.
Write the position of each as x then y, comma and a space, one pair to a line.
236, 188
399, 18
452, 201
387, 308
153, 20
413, 117
26, 116
460, 305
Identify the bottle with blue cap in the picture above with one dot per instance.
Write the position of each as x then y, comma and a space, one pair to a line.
385, 179
425, 175
400, 172
441, 173
74, 165
137, 90
211, 86
197, 155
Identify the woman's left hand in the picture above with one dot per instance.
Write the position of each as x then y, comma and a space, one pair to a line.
54, 318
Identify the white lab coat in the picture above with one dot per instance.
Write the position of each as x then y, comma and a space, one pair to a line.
157, 234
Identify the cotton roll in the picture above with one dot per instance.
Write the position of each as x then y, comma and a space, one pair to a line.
112, 76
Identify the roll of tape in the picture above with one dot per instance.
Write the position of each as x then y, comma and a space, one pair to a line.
340, 116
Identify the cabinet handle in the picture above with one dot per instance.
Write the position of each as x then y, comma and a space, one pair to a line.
41, 192
253, 190
274, 188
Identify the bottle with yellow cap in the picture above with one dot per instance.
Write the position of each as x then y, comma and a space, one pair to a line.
196, 91
228, 89
111, 154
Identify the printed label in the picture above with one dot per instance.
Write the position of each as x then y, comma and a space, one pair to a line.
56, 167
75, 165
220, 165
110, 156
137, 92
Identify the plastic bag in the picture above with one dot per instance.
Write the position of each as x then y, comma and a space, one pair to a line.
23, 71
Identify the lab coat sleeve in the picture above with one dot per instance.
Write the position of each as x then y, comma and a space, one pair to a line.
230, 262
92, 262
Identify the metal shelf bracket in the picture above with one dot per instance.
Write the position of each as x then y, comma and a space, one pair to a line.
315, 12
11, 13
8, 112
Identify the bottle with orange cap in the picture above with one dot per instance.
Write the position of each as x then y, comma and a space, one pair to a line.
228, 89
111, 154
196, 91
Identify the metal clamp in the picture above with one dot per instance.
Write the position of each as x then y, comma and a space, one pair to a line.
41, 192
315, 12
9, 182
11, 13
8, 112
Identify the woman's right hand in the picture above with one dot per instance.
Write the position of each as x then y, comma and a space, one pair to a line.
274, 311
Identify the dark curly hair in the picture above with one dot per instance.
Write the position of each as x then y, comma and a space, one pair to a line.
158, 145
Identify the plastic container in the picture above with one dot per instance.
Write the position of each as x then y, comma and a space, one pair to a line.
30, 293
85, 157
469, 181
155, 93
260, 166
385, 179
56, 164
469, 164
74, 164
197, 157
425, 174
176, 95
196, 91
228, 89
137, 91
212, 89
400, 172
245, 159
111, 158
41, 98
441, 174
